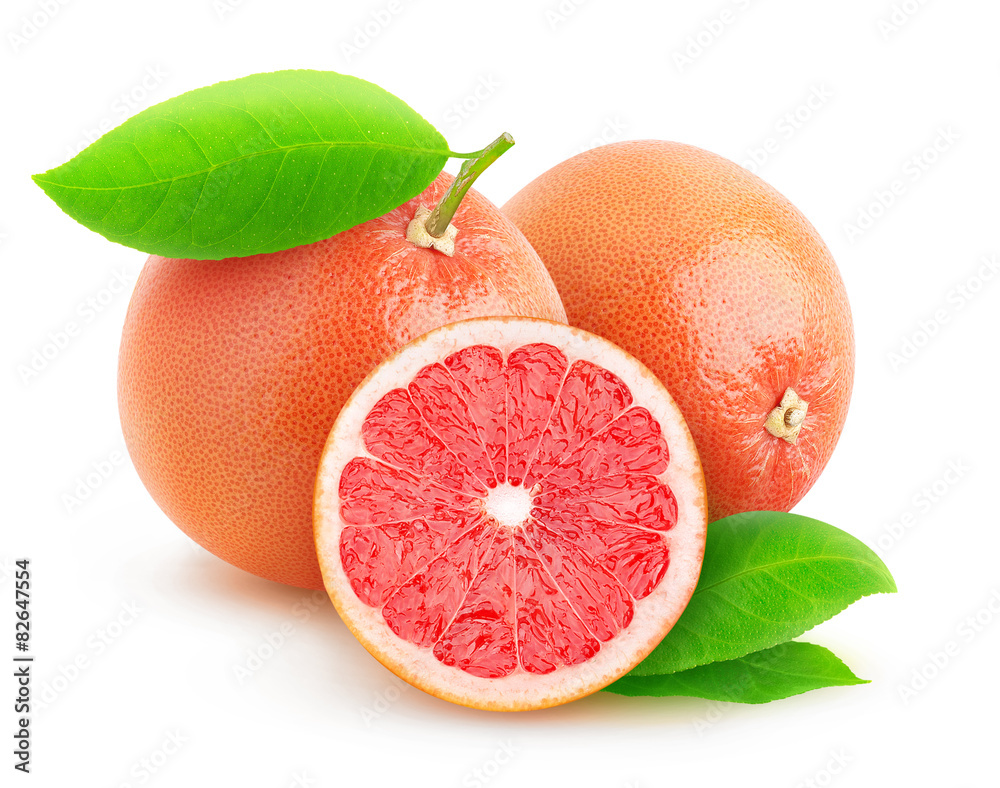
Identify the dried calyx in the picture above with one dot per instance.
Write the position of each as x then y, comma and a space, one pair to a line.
786, 420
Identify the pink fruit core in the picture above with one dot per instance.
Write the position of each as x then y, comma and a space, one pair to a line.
509, 512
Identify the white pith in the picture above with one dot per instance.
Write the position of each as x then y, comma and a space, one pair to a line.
654, 615
509, 505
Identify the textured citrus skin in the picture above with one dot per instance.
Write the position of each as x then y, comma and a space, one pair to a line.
232, 372
720, 286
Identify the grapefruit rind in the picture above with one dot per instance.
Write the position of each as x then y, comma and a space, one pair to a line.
654, 615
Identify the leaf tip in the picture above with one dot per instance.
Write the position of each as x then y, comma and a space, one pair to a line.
48, 184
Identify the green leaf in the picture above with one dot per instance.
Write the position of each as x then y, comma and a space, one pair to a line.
767, 577
257, 164
778, 672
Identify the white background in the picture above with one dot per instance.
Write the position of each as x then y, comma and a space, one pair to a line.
153, 697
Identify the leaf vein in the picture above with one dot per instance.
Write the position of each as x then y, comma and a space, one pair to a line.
378, 145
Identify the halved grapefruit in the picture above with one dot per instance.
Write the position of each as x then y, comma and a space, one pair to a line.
510, 513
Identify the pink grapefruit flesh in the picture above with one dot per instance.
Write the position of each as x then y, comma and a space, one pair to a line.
510, 513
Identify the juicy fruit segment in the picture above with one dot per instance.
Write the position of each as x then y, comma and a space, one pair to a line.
506, 513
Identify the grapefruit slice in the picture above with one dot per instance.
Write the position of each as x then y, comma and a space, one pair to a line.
510, 513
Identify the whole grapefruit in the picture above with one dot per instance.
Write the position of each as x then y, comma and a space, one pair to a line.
719, 285
232, 372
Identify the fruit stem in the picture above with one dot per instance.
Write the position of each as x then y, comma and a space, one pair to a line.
439, 219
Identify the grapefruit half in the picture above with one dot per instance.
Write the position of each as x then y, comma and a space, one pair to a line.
510, 513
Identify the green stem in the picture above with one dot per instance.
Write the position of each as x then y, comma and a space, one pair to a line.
472, 168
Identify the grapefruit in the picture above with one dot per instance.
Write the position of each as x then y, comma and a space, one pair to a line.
717, 283
510, 513
232, 372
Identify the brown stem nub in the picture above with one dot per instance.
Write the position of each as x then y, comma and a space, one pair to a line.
785, 421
